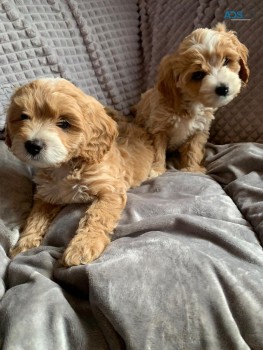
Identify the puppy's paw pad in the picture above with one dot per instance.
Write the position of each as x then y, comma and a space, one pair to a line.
83, 253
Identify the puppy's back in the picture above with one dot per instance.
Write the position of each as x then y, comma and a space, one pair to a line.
135, 146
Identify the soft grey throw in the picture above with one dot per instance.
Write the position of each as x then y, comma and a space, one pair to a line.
184, 270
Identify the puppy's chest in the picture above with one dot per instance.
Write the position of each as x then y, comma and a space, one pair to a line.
182, 128
62, 186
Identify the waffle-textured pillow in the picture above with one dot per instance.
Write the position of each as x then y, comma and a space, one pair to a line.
112, 48
95, 44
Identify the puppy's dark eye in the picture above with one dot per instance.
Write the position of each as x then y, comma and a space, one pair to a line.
198, 75
24, 116
63, 124
226, 61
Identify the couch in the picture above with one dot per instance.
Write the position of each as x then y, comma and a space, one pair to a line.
185, 267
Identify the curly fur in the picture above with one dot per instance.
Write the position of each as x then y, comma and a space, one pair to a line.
82, 160
179, 109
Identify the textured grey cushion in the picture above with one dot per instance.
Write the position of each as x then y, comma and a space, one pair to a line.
111, 49
94, 44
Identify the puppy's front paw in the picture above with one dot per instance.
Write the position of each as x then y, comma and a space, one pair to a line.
195, 169
24, 244
84, 250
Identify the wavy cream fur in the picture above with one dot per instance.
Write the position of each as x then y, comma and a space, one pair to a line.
85, 163
178, 110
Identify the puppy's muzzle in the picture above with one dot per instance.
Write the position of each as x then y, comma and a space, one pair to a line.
222, 90
34, 147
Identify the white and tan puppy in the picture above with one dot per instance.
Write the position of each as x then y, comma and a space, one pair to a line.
205, 73
73, 145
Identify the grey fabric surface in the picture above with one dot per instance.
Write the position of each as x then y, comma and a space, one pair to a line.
184, 270
111, 49
15, 196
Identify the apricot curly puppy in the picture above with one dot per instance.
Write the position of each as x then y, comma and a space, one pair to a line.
73, 145
205, 73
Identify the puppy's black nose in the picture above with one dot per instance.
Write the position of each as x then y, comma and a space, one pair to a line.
221, 90
34, 147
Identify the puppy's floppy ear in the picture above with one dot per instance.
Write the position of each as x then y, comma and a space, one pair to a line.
167, 79
241, 49
11, 108
101, 132
8, 141
244, 70
243, 53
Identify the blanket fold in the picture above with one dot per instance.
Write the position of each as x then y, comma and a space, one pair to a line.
183, 271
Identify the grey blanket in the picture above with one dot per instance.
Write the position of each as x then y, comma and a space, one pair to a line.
184, 269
